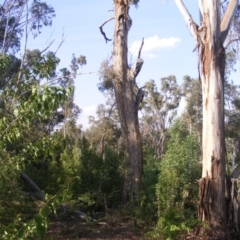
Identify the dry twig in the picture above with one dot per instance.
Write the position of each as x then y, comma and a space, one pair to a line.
102, 32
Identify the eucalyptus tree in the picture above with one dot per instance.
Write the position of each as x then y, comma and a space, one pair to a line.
210, 37
159, 109
22, 17
232, 119
104, 131
232, 114
70, 110
128, 97
192, 114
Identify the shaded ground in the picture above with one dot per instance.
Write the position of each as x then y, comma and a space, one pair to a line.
112, 228
73, 229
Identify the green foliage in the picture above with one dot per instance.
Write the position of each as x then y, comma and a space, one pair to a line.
148, 203
106, 76
101, 181
177, 187
172, 225
16, 16
159, 109
31, 107
37, 226
192, 115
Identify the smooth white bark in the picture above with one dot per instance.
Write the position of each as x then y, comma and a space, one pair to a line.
200, 5
227, 19
212, 205
187, 17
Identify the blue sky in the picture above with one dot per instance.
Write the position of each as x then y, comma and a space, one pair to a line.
168, 48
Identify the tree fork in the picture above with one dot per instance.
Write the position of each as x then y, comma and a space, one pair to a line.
215, 206
128, 97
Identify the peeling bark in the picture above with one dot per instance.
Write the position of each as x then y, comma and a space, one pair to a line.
216, 206
127, 98
212, 75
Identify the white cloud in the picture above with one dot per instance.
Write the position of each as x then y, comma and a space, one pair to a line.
89, 110
86, 112
151, 55
153, 43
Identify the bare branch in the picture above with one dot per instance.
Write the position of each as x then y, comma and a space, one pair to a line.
8, 11
25, 45
49, 45
236, 172
226, 21
102, 32
62, 41
16, 22
231, 41
111, 109
140, 49
187, 17
139, 63
5, 34
70, 75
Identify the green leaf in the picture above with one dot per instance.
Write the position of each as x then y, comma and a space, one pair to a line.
44, 97
38, 220
45, 211
34, 90
21, 234
16, 112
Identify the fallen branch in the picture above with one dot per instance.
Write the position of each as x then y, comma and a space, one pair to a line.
37, 194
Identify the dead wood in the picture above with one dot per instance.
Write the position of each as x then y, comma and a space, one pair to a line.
36, 192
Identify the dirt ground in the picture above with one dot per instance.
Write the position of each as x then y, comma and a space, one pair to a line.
113, 228
72, 229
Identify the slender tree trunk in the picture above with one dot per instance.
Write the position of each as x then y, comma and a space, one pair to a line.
103, 145
127, 97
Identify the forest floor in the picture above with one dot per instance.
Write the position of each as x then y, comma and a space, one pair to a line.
113, 227
73, 229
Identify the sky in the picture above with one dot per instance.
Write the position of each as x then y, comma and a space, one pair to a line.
168, 46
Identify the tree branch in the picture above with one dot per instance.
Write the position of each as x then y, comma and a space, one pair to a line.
138, 67
236, 172
10, 124
49, 45
139, 62
201, 12
140, 96
187, 17
25, 45
231, 41
62, 41
102, 32
52, 81
140, 49
226, 21
36, 190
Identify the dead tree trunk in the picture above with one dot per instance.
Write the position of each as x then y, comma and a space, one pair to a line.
210, 36
128, 97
